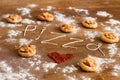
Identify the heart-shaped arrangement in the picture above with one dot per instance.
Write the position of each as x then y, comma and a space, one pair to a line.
59, 58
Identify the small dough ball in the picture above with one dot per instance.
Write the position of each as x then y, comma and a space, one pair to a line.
89, 24
27, 50
14, 18
109, 37
46, 16
67, 28
88, 64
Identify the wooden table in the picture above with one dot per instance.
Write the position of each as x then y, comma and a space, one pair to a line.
19, 68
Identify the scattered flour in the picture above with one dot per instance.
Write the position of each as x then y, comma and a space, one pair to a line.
9, 25
34, 62
24, 11
7, 73
69, 69
112, 49
89, 18
116, 71
103, 14
91, 35
48, 65
32, 5
48, 8
14, 33
79, 10
85, 78
102, 62
113, 22
23, 41
71, 78
28, 21
11, 40
62, 18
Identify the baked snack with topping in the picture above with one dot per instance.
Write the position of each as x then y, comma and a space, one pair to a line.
67, 28
109, 37
14, 18
90, 24
89, 64
45, 16
27, 50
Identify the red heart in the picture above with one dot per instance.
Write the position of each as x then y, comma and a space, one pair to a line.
58, 58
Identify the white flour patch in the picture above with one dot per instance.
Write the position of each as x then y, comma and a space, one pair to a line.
14, 33
28, 21
24, 11
102, 62
69, 69
48, 8
85, 78
79, 10
62, 18
89, 18
11, 40
48, 65
103, 14
2, 24
23, 41
32, 5
91, 35
34, 62
113, 22
116, 70
70, 77
112, 49
7, 73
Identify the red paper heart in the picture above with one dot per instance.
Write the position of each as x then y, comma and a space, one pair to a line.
58, 58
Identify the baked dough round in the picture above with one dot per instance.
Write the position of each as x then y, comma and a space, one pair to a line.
109, 37
88, 64
46, 16
14, 18
67, 28
89, 24
27, 50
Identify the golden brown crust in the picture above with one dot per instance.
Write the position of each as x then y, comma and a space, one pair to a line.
27, 50
89, 64
89, 24
109, 37
67, 28
14, 18
46, 16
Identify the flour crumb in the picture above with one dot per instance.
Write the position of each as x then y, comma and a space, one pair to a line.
5, 16
103, 14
